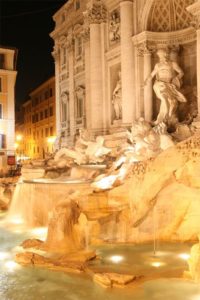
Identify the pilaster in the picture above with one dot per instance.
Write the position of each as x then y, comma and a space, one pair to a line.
56, 56
127, 62
194, 9
96, 15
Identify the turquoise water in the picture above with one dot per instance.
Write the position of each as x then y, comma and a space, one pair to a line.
30, 283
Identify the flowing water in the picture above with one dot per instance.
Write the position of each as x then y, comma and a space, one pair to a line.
31, 283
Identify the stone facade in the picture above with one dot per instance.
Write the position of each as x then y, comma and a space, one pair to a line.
96, 40
8, 75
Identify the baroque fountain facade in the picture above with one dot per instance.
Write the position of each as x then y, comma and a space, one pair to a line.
126, 165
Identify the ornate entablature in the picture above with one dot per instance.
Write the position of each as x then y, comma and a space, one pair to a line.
150, 41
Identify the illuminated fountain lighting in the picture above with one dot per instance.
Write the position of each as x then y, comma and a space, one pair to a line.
39, 232
3, 255
116, 259
157, 264
184, 256
11, 266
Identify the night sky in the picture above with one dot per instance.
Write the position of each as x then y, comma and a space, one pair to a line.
26, 25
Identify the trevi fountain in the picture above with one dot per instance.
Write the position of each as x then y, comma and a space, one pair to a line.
112, 216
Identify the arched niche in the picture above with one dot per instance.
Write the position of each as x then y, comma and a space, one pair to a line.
164, 24
165, 15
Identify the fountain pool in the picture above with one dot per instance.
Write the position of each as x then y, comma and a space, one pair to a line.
31, 283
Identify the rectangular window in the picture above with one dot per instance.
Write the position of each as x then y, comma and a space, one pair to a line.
46, 132
46, 95
2, 141
1, 88
2, 61
41, 115
51, 92
51, 111
51, 131
1, 111
46, 113
78, 48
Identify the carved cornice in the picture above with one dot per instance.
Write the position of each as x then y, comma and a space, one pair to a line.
96, 12
163, 39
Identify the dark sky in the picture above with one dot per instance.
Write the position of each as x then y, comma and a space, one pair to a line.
26, 25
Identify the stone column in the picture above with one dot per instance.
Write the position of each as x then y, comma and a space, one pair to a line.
139, 110
194, 9
56, 56
127, 62
86, 39
70, 49
148, 89
96, 15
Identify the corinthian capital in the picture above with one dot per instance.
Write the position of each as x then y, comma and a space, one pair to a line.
96, 12
194, 9
145, 48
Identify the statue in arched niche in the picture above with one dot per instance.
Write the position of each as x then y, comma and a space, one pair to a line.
117, 99
167, 87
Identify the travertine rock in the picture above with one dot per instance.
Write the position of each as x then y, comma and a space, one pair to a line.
113, 279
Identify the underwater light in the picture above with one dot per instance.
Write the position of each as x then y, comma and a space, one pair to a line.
184, 256
116, 258
3, 255
157, 264
11, 265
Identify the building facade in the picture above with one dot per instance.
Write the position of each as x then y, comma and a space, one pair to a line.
104, 50
8, 73
39, 121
